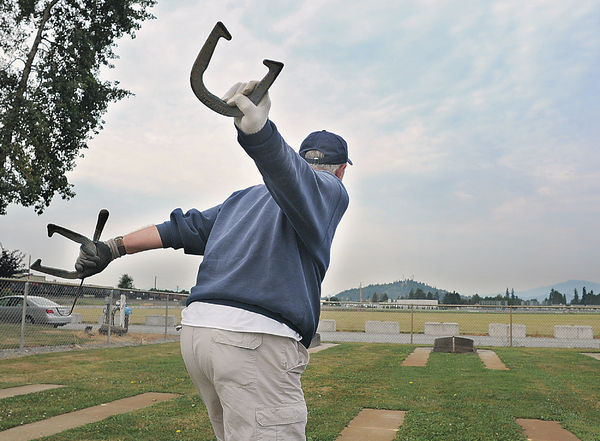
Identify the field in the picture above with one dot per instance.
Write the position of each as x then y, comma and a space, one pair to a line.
138, 316
453, 398
540, 324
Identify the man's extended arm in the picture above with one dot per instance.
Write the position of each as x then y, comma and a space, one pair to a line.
145, 239
95, 257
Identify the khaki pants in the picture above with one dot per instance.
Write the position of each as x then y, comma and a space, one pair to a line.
249, 382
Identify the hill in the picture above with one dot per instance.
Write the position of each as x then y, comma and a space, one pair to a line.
567, 288
394, 290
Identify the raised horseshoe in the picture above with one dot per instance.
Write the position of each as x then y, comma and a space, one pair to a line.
203, 59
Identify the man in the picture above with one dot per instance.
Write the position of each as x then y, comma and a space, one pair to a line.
255, 307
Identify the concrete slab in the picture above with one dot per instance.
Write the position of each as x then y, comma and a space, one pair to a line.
491, 360
595, 355
538, 430
419, 357
28, 389
321, 347
373, 425
81, 417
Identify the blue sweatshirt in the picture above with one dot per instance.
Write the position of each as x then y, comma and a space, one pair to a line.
266, 248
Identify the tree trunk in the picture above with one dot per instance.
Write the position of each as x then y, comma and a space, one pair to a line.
10, 117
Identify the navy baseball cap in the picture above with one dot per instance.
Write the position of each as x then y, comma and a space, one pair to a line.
331, 145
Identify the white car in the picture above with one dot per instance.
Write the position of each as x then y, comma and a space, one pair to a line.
39, 311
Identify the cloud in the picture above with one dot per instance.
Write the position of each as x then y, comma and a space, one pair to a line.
472, 126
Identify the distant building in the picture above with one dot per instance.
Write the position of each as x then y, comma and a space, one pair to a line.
415, 303
492, 302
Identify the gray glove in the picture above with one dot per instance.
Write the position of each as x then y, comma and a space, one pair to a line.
94, 257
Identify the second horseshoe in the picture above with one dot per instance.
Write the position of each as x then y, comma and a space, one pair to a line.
203, 59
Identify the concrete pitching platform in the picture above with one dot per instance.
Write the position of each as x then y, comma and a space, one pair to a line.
595, 355
81, 417
28, 389
321, 347
538, 430
491, 360
373, 425
419, 357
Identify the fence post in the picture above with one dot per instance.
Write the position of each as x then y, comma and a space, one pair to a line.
24, 316
510, 328
166, 315
108, 317
412, 312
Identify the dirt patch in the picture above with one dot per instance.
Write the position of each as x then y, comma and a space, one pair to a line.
538, 430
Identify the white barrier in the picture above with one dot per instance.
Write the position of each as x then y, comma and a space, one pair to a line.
159, 320
574, 332
503, 330
76, 317
442, 329
326, 326
377, 327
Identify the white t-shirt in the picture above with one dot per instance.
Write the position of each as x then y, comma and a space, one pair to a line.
229, 318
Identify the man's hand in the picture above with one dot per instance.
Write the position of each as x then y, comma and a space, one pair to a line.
94, 257
255, 116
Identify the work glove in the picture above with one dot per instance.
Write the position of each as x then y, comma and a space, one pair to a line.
255, 116
95, 256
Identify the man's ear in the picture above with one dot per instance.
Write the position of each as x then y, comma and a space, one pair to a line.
340, 171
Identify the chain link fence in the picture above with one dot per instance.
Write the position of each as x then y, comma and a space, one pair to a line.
487, 325
36, 315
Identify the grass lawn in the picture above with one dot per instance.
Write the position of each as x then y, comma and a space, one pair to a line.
453, 398
539, 324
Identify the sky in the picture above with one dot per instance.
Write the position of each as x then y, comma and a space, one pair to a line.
473, 128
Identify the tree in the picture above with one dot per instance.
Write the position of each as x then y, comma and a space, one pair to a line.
126, 282
556, 298
51, 97
452, 298
375, 298
11, 262
575, 300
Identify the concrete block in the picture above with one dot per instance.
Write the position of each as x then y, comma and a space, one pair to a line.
585, 332
442, 329
76, 317
503, 330
377, 327
573, 332
316, 341
326, 326
159, 320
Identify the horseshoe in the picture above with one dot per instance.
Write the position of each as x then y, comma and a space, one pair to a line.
76, 237
203, 59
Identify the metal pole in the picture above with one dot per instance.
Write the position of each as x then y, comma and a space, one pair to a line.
166, 315
412, 313
510, 329
108, 316
23, 316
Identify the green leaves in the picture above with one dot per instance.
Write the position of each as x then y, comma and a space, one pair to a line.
51, 96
